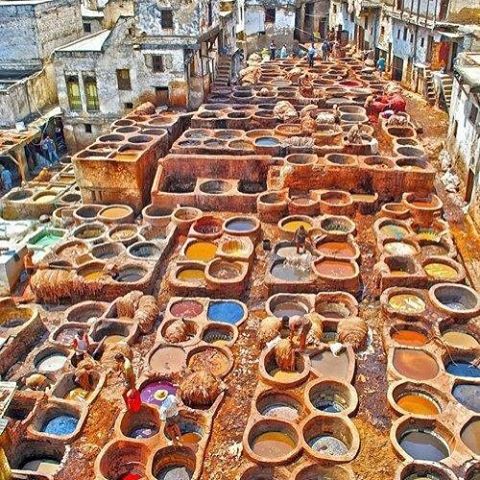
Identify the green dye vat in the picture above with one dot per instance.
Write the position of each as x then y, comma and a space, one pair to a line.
47, 239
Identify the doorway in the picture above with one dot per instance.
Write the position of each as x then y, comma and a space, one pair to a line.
397, 69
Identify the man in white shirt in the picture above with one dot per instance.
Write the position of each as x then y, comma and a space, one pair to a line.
169, 415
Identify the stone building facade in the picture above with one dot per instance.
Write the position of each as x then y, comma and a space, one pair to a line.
165, 54
30, 30
415, 36
464, 128
284, 21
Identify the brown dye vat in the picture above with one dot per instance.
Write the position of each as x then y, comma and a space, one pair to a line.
336, 249
273, 445
410, 338
335, 268
327, 364
210, 359
470, 435
115, 212
226, 271
418, 403
168, 360
186, 309
460, 339
415, 364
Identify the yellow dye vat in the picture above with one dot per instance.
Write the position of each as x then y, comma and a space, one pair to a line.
191, 275
460, 339
201, 251
440, 271
407, 303
294, 225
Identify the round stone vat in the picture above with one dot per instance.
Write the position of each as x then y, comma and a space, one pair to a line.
183, 217
84, 311
113, 332
332, 269
154, 392
140, 139
326, 365
337, 249
405, 247
131, 273
13, 317
66, 333
224, 270
412, 398
331, 396
410, 153
319, 472
214, 359
391, 228
219, 334
274, 375
41, 458
58, 421
378, 163
405, 302
157, 216
458, 301
271, 441
398, 131
411, 163
414, 364
420, 470
279, 405
186, 308
208, 227
336, 305
292, 223
408, 334
127, 233
340, 159
423, 439
443, 269
395, 210
71, 198
141, 425
51, 359
19, 195
123, 459
68, 389
193, 273
462, 365
145, 251
331, 438
215, 187
241, 226
90, 232
174, 462
167, 359
286, 305
87, 213
111, 138
468, 394
256, 472
94, 272
199, 250
107, 250
337, 225
179, 331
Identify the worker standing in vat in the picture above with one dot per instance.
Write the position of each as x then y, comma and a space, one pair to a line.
169, 414
283, 51
81, 344
311, 55
6, 178
381, 64
126, 367
273, 50
301, 239
300, 325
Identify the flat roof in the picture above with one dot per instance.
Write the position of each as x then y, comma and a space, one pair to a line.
92, 43
86, 12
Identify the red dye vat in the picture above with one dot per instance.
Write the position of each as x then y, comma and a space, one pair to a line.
131, 476
186, 309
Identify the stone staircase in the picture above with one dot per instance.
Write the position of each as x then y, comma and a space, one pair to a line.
223, 72
430, 90
446, 82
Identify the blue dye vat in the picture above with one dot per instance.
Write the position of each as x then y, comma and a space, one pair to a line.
463, 369
225, 312
62, 425
468, 395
